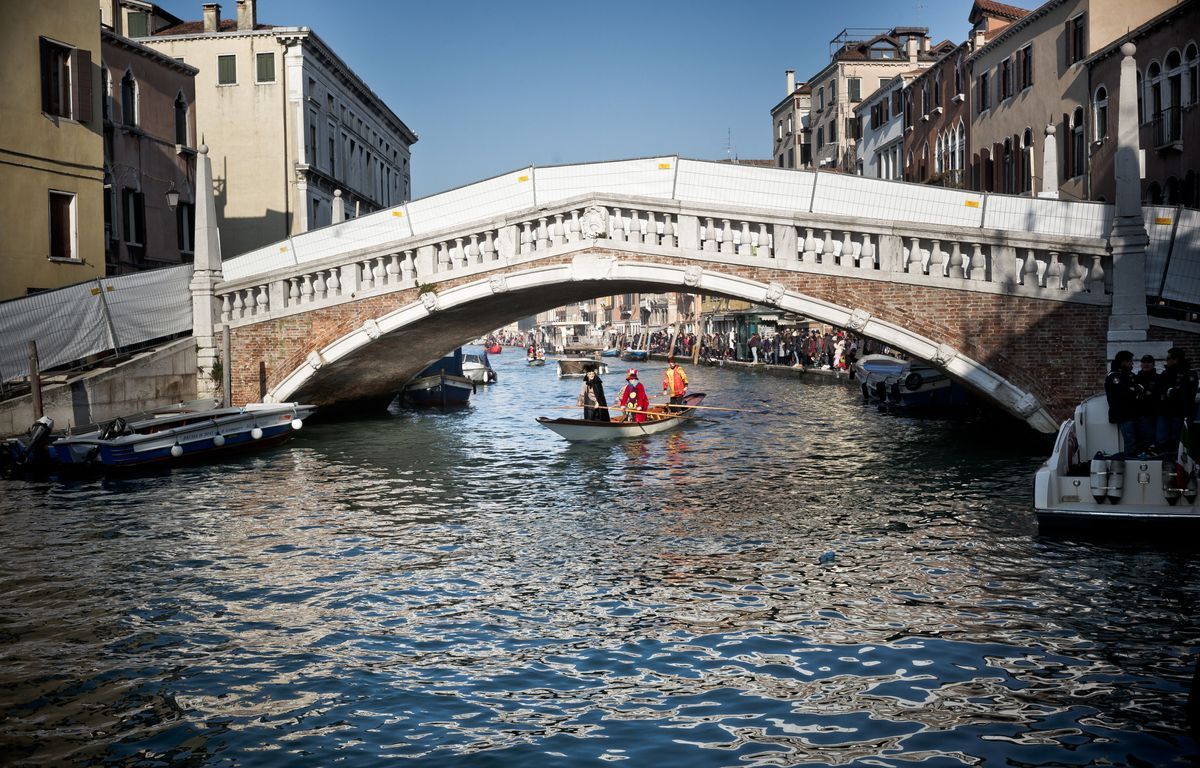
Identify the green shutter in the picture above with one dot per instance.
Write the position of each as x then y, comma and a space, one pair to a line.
137, 24
266, 67
226, 70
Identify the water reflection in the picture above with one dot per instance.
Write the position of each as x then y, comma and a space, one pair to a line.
467, 588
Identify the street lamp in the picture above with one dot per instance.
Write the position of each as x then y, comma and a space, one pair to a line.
172, 197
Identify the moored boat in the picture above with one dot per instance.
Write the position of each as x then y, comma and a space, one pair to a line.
573, 367
611, 352
635, 355
660, 418
442, 384
1090, 481
178, 434
535, 361
478, 368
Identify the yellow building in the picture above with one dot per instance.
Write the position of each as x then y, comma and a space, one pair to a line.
51, 148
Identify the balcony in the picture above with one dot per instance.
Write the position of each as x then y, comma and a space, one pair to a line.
1167, 130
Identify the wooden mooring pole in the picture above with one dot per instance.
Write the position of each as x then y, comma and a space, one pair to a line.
35, 381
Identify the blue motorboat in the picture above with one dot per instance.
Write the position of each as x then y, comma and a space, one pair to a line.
441, 385
635, 355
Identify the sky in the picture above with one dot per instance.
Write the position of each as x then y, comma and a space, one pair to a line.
490, 87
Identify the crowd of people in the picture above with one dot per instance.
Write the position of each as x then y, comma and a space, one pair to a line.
798, 348
1150, 407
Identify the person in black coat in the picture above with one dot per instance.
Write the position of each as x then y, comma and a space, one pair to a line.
1148, 406
591, 397
1177, 399
1124, 393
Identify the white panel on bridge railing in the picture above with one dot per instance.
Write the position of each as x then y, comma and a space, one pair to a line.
149, 305
648, 177
1183, 270
1048, 217
845, 195
699, 181
260, 260
481, 200
371, 230
67, 324
1160, 223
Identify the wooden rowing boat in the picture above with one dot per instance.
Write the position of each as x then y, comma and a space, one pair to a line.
659, 418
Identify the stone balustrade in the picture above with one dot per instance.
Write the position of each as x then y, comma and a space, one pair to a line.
961, 258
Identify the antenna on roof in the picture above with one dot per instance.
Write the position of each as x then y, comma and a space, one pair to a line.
730, 154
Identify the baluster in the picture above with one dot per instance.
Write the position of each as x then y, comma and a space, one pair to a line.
764, 242
306, 290
745, 246
293, 292
460, 253
226, 309
651, 236
573, 228
543, 235
954, 268
977, 269
937, 264
393, 269
380, 271
331, 284
239, 306
618, 226
668, 235
634, 233
473, 256
710, 235
556, 233
726, 237
488, 252
1076, 274
1029, 269
914, 255
408, 268
847, 256
319, 284
368, 277
827, 248
1054, 272
1096, 278
527, 238
810, 246
443, 257
263, 304
866, 254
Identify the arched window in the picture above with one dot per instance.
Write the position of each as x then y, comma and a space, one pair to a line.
1027, 160
181, 110
1100, 114
1078, 156
1009, 170
129, 99
937, 155
1192, 63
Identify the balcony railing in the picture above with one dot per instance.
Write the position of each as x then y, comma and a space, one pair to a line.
1167, 127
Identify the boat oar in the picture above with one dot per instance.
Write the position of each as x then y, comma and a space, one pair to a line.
681, 407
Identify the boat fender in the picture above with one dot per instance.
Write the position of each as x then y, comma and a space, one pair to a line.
866, 392
177, 450
297, 423
1099, 474
218, 440
1189, 493
256, 433
913, 382
1116, 478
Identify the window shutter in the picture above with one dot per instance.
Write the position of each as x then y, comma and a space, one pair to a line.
1070, 38
139, 205
44, 58
82, 73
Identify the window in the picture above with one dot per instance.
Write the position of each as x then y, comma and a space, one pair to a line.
779, 130
332, 155
984, 92
56, 79
1100, 114
1027, 160
137, 24
62, 225
1078, 158
781, 161
789, 128
833, 131
227, 69
820, 137
1009, 175
106, 95
1193, 69
821, 98
937, 90
129, 100
264, 67
1006, 83
791, 158
133, 204
1025, 59
185, 226
181, 131
1076, 38
958, 77
854, 89
1141, 109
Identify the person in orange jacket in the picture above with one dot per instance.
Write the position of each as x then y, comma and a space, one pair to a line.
635, 394
675, 382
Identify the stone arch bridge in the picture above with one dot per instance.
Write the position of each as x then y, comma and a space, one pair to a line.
1010, 295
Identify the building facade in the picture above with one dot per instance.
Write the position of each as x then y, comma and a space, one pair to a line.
1168, 62
287, 122
859, 65
789, 120
880, 146
937, 122
1032, 72
51, 148
148, 105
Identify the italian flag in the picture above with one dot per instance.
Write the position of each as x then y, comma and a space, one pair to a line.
1185, 468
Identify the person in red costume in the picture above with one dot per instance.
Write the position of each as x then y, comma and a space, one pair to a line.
634, 394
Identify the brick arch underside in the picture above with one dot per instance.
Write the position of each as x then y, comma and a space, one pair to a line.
1018, 340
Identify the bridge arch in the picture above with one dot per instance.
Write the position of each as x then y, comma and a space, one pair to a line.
424, 319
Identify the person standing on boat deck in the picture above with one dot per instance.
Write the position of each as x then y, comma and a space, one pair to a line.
1177, 385
1150, 404
675, 382
1124, 393
634, 394
591, 397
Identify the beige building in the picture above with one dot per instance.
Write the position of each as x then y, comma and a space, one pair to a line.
286, 121
51, 148
1032, 73
789, 121
859, 65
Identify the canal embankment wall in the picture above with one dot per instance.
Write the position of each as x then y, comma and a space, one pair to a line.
156, 378
806, 375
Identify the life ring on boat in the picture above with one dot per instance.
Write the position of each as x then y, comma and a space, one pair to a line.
913, 382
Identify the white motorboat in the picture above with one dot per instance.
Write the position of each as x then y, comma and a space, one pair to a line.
1089, 480
478, 368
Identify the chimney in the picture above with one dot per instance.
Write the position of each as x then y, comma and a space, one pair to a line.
212, 17
910, 47
791, 80
247, 18
925, 44
978, 38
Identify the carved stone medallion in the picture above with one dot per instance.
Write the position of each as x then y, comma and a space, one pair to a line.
430, 300
593, 225
498, 284
775, 292
691, 277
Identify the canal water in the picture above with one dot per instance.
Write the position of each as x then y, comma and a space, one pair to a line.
468, 589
